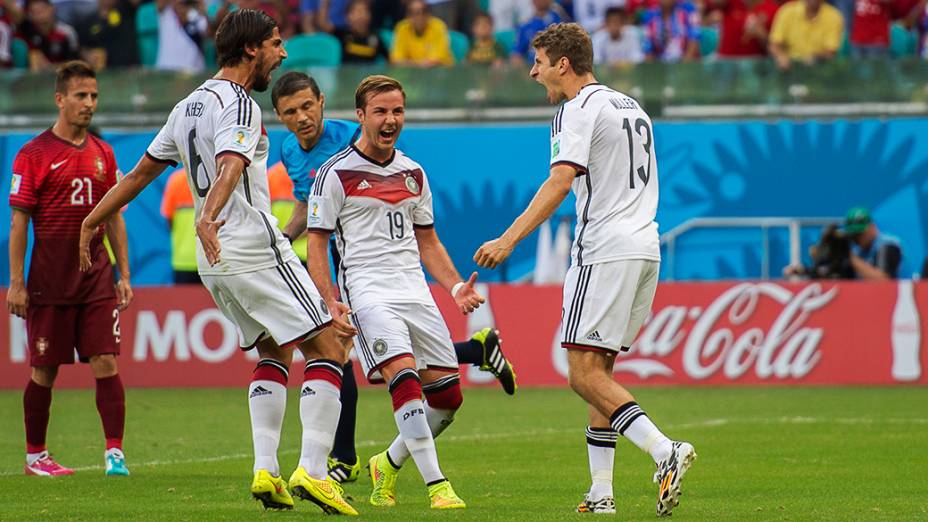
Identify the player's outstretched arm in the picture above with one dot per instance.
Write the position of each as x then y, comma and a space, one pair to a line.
116, 232
17, 298
229, 169
548, 198
117, 197
317, 260
439, 264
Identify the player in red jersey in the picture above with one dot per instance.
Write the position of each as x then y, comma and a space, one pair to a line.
58, 178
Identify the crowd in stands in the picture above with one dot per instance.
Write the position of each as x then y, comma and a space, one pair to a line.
177, 34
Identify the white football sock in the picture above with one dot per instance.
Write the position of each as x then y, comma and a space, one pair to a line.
438, 421
632, 423
267, 401
320, 408
601, 451
415, 432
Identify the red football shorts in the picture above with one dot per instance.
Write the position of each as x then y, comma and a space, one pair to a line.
55, 331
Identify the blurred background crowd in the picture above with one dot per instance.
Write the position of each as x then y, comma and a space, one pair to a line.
177, 34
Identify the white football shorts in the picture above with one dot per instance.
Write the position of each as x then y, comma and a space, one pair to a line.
387, 332
605, 304
280, 302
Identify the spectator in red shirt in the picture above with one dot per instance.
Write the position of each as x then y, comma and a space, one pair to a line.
50, 41
870, 28
745, 26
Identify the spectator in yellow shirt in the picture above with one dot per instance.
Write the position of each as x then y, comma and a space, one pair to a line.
421, 40
807, 31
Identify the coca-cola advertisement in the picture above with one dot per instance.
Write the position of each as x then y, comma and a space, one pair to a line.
726, 333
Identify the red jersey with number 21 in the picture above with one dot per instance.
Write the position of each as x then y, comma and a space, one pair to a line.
58, 184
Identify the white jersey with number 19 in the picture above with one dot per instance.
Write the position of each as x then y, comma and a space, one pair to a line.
216, 119
608, 138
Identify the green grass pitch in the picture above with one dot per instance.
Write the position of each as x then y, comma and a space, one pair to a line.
764, 454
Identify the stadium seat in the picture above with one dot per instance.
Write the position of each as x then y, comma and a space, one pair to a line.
20, 51
708, 40
845, 50
507, 39
387, 36
146, 27
902, 42
309, 50
460, 44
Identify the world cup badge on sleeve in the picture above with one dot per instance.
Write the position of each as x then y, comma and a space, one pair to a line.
412, 185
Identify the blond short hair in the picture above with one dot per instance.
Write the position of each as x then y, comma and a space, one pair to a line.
374, 85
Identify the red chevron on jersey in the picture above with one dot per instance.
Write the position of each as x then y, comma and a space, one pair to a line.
392, 189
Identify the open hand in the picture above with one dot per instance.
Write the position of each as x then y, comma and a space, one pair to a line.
341, 320
83, 247
123, 294
467, 298
208, 232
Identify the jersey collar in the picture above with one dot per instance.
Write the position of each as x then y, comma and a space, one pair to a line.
372, 160
594, 84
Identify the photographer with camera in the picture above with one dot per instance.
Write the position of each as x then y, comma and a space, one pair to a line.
857, 251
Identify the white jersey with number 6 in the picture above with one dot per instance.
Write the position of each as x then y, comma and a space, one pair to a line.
608, 138
216, 119
373, 208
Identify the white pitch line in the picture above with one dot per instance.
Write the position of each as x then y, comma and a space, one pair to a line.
708, 423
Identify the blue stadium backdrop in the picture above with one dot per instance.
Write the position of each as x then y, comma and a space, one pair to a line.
483, 175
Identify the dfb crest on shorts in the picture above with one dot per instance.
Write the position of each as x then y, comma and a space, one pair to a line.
380, 347
325, 309
412, 184
99, 174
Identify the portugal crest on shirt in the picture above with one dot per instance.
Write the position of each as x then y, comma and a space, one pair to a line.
412, 185
99, 174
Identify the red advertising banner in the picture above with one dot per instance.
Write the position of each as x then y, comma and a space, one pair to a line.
728, 333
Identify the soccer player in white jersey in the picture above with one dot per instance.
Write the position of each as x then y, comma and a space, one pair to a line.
602, 147
378, 203
243, 259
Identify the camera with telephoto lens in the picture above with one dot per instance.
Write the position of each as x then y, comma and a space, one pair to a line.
831, 256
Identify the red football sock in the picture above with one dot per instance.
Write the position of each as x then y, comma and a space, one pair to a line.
37, 401
111, 403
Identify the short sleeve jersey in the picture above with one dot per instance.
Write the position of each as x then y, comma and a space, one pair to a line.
302, 164
373, 208
608, 138
216, 119
58, 184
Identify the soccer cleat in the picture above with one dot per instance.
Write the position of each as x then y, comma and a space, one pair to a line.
669, 476
341, 472
442, 496
271, 491
45, 466
494, 361
115, 462
383, 477
604, 505
327, 494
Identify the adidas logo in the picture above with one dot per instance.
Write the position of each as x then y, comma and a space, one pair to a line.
364, 185
259, 391
594, 337
307, 391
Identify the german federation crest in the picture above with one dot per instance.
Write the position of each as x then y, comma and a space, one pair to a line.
325, 309
412, 185
379, 347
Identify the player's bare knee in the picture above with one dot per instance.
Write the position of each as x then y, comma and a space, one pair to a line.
269, 349
44, 375
102, 366
389, 370
325, 345
444, 393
